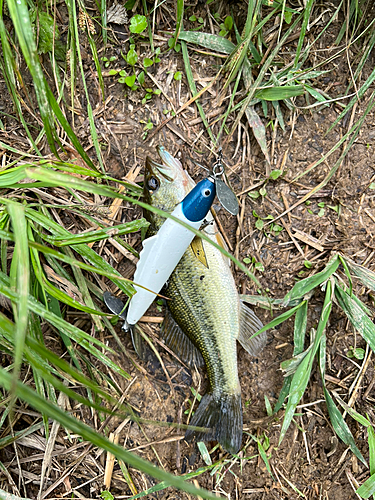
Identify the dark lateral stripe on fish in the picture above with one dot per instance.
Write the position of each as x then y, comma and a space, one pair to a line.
192, 322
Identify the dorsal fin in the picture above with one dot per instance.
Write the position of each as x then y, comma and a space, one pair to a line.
179, 342
250, 324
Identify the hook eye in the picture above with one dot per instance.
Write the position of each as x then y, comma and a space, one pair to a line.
218, 169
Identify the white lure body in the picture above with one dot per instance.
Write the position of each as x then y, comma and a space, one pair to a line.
160, 255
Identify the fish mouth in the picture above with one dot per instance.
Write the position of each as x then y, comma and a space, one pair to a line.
153, 168
167, 159
168, 167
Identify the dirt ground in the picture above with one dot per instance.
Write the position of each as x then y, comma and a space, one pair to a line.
339, 217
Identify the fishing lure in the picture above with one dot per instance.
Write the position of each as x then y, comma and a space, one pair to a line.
162, 252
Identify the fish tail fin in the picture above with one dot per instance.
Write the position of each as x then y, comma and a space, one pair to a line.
222, 416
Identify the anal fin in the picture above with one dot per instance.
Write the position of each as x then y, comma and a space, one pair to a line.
179, 342
250, 324
137, 340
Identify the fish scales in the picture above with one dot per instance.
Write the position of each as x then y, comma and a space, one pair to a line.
213, 326
205, 307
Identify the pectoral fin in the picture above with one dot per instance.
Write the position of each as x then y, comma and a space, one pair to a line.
250, 324
179, 342
197, 247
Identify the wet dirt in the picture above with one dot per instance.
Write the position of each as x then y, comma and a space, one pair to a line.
339, 217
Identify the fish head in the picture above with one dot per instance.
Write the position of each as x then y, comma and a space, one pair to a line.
166, 183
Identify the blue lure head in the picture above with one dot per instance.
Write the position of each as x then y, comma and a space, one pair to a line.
197, 203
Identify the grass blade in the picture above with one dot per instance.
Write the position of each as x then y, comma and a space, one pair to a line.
306, 285
57, 179
180, 14
341, 427
289, 367
358, 315
300, 325
371, 445
179, 20
361, 92
9, 67
306, 19
21, 20
278, 112
354, 414
302, 375
26, 394
297, 388
230, 104
262, 74
7, 440
279, 93
21, 262
204, 453
208, 41
363, 273
316, 95
82, 287
266, 302
100, 267
263, 455
280, 319
338, 423
50, 357
259, 130
163, 485
41, 386
368, 488
193, 89
100, 234
127, 477
55, 109
234, 63
82, 338
103, 15
47, 289
285, 390
251, 17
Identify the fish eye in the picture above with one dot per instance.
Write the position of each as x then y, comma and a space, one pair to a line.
206, 193
152, 183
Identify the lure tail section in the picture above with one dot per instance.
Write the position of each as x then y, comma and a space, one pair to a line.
116, 306
222, 416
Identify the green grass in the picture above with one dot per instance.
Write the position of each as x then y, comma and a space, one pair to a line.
35, 247
286, 80
298, 369
25, 232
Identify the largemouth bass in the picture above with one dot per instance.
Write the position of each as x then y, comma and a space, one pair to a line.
205, 316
